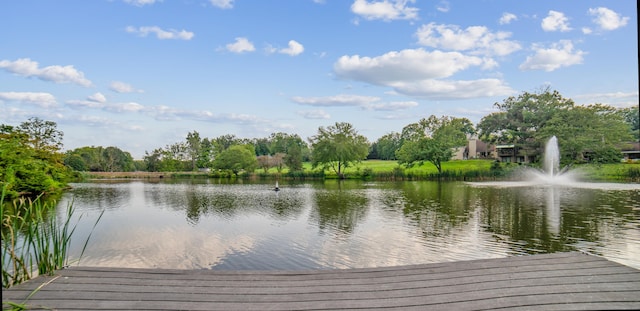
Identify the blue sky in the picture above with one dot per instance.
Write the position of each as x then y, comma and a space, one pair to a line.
141, 74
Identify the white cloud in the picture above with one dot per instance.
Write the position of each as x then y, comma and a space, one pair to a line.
141, 2
58, 74
336, 101
160, 33
477, 39
346, 100
560, 54
84, 103
121, 87
96, 100
97, 97
40, 99
440, 89
443, 6
294, 48
416, 73
586, 30
392, 106
607, 19
507, 18
386, 10
240, 46
223, 4
406, 65
614, 99
314, 114
166, 113
124, 107
555, 21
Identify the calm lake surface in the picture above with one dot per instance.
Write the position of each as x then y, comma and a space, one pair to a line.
217, 224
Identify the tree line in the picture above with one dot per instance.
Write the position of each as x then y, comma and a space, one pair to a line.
30, 156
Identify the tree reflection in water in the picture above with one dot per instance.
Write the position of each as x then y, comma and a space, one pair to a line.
329, 224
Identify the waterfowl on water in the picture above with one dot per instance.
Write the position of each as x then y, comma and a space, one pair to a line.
276, 188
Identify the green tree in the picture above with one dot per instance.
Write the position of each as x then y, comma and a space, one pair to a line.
75, 162
91, 156
631, 115
99, 159
194, 148
387, 145
175, 158
153, 160
440, 136
292, 146
116, 160
206, 153
221, 143
43, 135
25, 170
337, 147
589, 132
520, 118
237, 158
262, 146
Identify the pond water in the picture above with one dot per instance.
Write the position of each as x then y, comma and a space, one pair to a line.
217, 224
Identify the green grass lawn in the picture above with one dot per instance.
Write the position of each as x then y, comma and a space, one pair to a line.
601, 172
382, 167
612, 171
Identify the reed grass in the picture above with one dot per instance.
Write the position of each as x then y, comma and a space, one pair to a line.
35, 241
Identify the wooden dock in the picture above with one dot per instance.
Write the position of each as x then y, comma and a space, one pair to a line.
566, 281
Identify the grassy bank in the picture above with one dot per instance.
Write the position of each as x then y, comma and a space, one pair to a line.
391, 170
619, 172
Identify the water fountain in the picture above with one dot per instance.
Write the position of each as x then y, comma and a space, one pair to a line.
551, 173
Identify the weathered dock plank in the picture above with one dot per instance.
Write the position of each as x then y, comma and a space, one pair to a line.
542, 282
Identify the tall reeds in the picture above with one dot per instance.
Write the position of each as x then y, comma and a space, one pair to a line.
35, 240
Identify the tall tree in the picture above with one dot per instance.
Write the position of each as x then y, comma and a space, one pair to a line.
206, 150
42, 134
439, 137
529, 120
337, 147
194, 148
521, 117
587, 132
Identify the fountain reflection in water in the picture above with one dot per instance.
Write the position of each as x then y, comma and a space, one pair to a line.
555, 183
553, 211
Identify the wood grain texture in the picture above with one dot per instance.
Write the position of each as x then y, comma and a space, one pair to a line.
565, 281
